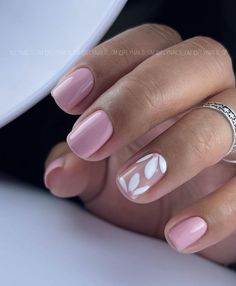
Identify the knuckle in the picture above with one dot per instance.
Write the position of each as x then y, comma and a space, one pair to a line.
159, 30
226, 207
201, 145
145, 92
127, 91
121, 52
213, 45
200, 142
205, 41
219, 56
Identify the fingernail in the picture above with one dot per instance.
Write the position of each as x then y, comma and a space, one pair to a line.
49, 174
142, 175
90, 135
187, 232
73, 89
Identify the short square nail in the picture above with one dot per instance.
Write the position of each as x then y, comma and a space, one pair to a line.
186, 233
73, 89
90, 134
142, 175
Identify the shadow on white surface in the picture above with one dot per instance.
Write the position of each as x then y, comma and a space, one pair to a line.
47, 241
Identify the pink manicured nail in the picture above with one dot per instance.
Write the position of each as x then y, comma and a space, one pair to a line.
73, 89
55, 165
142, 175
90, 134
187, 232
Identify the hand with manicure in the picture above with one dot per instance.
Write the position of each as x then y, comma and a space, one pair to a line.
141, 156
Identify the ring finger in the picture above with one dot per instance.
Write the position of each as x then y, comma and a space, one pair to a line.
198, 140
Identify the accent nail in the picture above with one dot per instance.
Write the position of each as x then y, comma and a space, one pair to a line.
142, 175
73, 89
51, 168
90, 134
186, 233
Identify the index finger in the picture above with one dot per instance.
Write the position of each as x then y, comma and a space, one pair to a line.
105, 64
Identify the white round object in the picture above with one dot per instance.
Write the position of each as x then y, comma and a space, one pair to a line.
40, 41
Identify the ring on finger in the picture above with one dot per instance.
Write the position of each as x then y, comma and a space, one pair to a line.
230, 115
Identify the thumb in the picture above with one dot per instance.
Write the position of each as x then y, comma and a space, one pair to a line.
66, 175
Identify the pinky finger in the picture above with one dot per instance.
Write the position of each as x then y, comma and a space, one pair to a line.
209, 221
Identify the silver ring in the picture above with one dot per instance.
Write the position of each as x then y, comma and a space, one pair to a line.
230, 115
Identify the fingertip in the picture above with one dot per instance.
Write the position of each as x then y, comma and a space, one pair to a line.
73, 89
184, 234
69, 176
90, 135
50, 171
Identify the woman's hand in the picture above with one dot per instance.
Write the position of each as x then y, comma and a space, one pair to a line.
137, 133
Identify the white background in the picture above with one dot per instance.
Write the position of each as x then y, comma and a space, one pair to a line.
40, 40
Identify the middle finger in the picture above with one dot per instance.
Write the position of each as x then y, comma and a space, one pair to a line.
164, 85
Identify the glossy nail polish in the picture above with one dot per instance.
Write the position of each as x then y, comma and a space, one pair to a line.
187, 232
90, 135
142, 175
73, 89
51, 168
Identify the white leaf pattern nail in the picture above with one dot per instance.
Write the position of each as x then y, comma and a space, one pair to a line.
144, 158
134, 182
151, 168
163, 165
142, 175
123, 183
140, 191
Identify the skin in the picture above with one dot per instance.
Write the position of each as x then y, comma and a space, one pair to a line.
161, 88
